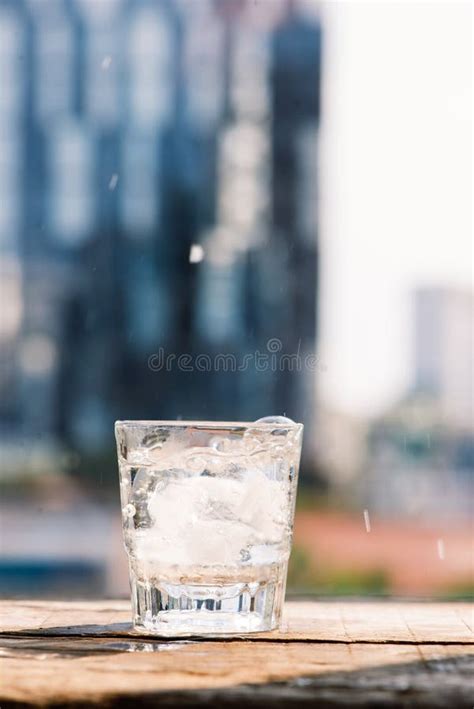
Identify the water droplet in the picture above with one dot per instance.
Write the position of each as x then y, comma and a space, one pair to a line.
196, 253
368, 527
274, 419
218, 443
129, 511
441, 550
244, 555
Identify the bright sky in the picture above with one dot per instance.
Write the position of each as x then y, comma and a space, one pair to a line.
395, 185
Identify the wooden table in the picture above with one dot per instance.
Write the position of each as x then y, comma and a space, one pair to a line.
327, 654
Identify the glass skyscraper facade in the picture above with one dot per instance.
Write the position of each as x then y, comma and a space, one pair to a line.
133, 134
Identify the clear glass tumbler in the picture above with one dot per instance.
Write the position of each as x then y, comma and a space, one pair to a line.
208, 513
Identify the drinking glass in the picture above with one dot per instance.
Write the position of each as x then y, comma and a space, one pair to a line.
208, 513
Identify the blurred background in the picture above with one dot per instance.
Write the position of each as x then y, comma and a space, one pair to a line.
214, 177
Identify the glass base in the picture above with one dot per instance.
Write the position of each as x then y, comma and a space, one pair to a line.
204, 609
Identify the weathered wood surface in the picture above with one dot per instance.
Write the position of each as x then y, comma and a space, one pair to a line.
328, 654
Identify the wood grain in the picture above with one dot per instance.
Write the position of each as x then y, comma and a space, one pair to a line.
326, 654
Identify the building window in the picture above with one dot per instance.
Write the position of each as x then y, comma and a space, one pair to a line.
250, 87
203, 65
150, 68
12, 84
140, 200
103, 76
72, 196
54, 66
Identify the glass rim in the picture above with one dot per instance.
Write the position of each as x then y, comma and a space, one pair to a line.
217, 425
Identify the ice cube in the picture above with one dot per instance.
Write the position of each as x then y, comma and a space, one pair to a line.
202, 519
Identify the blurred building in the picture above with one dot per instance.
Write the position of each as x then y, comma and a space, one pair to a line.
341, 449
444, 351
418, 466
420, 456
131, 131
